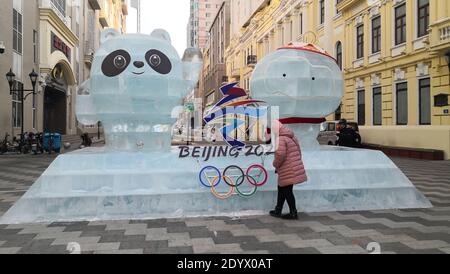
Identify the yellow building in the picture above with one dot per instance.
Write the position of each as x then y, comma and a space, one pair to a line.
276, 23
113, 14
397, 72
271, 25
394, 54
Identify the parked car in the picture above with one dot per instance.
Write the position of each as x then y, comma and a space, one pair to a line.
328, 133
329, 130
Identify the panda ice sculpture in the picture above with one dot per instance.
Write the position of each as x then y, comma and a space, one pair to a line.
304, 82
136, 83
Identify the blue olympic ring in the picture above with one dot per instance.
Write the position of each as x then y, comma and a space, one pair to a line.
209, 185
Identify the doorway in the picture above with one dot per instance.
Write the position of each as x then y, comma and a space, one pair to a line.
55, 111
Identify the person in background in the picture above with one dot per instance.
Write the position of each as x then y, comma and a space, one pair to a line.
290, 169
347, 136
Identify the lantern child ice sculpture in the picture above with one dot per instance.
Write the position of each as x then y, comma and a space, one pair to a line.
305, 83
136, 82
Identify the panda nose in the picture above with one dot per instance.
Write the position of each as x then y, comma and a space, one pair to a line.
138, 64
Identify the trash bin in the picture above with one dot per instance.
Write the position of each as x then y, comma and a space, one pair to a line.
53, 139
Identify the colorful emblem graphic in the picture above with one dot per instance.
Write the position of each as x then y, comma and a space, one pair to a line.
237, 106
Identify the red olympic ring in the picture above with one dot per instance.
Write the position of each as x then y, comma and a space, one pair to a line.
266, 175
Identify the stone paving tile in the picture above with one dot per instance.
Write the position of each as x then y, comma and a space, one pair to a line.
397, 231
9, 250
120, 251
446, 250
342, 249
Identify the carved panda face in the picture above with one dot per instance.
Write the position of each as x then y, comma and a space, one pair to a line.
133, 55
142, 66
119, 60
140, 78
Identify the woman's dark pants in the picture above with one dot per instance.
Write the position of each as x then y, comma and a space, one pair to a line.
286, 194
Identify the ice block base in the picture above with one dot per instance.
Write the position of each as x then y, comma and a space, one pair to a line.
94, 184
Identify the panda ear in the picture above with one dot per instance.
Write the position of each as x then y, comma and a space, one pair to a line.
108, 34
161, 35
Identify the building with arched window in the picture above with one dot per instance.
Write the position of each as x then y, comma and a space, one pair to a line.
56, 38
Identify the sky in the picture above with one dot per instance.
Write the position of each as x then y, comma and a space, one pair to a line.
171, 15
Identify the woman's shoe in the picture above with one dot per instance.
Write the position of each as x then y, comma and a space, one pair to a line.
290, 216
276, 213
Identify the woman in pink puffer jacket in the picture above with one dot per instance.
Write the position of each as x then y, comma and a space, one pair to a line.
290, 169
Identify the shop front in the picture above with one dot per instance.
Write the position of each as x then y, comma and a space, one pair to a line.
58, 66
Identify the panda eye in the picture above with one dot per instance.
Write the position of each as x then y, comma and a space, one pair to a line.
120, 62
115, 63
155, 60
158, 61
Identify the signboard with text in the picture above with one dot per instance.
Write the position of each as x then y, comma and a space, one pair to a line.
58, 44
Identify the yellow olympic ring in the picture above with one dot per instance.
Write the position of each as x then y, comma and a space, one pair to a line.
218, 195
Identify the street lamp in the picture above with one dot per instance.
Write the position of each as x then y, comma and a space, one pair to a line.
33, 77
11, 77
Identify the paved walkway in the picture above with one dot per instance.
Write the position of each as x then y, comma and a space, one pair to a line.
396, 231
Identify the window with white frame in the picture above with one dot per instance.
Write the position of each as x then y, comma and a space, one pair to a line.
291, 31
361, 107
402, 103
35, 47
17, 31
424, 102
423, 17
377, 106
339, 54
376, 34
17, 118
322, 11
360, 41
400, 24
300, 24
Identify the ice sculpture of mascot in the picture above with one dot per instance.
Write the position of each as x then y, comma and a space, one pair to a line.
136, 83
305, 83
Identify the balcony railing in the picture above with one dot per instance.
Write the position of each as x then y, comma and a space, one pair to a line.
59, 11
440, 35
444, 33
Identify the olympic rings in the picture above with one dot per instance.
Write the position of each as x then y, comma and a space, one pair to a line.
218, 195
229, 174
